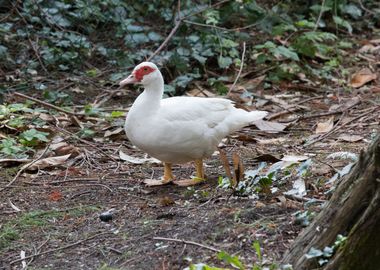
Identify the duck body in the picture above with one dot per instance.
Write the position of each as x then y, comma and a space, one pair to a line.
182, 129
179, 129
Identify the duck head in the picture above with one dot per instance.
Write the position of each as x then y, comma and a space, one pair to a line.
145, 73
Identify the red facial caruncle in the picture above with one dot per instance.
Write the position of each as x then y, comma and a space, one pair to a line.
141, 72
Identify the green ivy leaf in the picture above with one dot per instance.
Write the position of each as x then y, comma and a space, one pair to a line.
339, 21
353, 10
224, 62
33, 137
285, 52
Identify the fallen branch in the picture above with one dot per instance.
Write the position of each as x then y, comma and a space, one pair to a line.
43, 103
291, 109
336, 128
187, 242
163, 44
240, 70
178, 21
60, 248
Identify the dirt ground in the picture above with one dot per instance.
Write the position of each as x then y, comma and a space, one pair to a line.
53, 214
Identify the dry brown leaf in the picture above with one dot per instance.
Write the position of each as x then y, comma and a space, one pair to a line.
238, 169
136, 160
367, 48
270, 127
77, 90
253, 83
109, 133
166, 201
272, 141
48, 162
324, 127
55, 196
198, 93
46, 117
350, 138
375, 41
267, 158
362, 77
226, 165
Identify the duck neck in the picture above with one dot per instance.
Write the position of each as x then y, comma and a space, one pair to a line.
150, 99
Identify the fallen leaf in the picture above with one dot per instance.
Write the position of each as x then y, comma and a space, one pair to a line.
324, 127
277, 100
109, 133
350, 138
14, 207
226, 165
166, 201
267, 158
47, 162
270, 127
238, 169
55, 196
46, 117
272, 141
259, 205
291, 158
198, 93
299, 188
77, 90
345, 104
136, 160
70, 171
362, 77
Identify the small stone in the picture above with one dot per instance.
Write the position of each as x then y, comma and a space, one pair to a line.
106, 216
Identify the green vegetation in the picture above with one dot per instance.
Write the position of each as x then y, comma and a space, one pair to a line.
57, 36
13, 229
235, 262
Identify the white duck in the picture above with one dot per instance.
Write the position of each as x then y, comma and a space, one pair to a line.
179, 129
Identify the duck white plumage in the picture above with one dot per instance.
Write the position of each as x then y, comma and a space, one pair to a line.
179, 129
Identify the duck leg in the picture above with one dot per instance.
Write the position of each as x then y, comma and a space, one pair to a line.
199, 176
166, 179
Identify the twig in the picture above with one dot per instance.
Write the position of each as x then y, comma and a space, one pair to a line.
336, 128
178, 21
240, 70
187, 242
291, 108
320, 15
163, 44
31, 42
23, 168
84, 141
60, 248
365, 9
330, 113
51, 106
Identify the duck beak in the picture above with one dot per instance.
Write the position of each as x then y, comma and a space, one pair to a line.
129, 80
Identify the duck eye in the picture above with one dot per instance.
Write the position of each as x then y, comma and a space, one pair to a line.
145, 69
